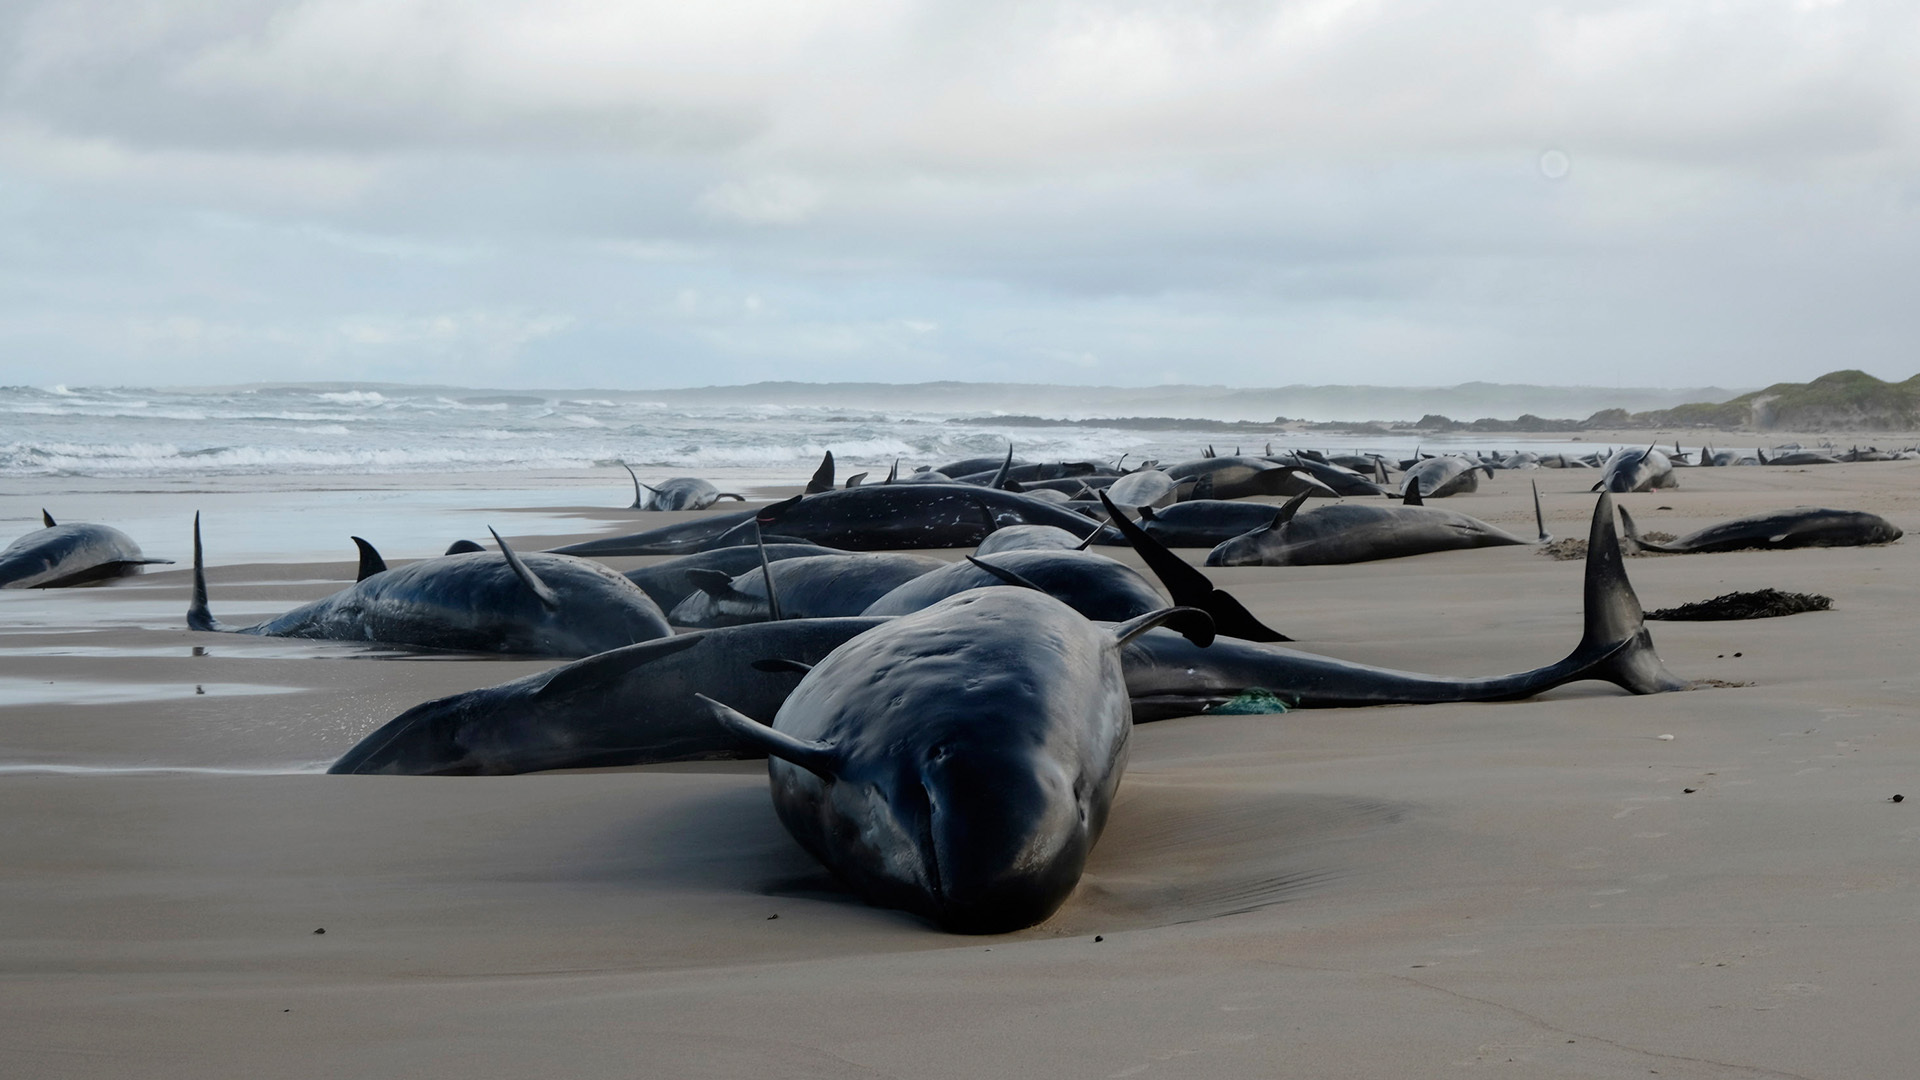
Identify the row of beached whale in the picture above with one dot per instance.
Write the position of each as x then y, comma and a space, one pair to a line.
945, 737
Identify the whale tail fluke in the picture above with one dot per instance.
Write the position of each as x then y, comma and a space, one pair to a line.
1616, 646
1633, 542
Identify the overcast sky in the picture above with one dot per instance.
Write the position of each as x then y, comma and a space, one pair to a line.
636, 194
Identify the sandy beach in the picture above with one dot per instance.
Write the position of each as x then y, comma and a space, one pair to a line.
1544, 888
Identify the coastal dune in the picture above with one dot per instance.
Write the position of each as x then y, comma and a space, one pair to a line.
1546, 886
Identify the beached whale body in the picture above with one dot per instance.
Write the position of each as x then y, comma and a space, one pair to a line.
61, 555
1439, 477
906, 517
1359, 532
535, 605
1805, 526
958, 762
628, 706
1636, 470
634, 705
1094, 585
679, 493
1168, 677
671, 581
840, 584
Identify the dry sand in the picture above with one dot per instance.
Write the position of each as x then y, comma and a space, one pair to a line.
1521, 889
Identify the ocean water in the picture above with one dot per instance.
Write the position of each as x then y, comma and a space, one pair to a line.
387, 431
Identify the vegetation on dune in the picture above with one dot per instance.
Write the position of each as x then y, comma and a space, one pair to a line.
1837, 399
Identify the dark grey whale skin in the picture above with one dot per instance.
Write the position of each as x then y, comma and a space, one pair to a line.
1093, 585
669, 583
958, 762
1168, 677
1439, 477
911, 517
1636, 469
57, 556
1198, 522
470, 603
1803, 526
839, 586
634, 706
1358, 532
628, 706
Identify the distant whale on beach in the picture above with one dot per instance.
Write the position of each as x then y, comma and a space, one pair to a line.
534, 605
61, 555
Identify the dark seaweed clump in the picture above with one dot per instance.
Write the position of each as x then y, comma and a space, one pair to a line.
1759, 604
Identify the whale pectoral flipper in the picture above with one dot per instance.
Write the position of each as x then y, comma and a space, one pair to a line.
370, 561
526, 575
774, 664
822, 759
1189, 622
1540, 518
1189, 587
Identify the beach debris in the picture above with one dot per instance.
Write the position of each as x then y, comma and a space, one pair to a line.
1253, 701
1570, 549
1757, 604
1898, 798
321, 930
1688, 791
1666, 738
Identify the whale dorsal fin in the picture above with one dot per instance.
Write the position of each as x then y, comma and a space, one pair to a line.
48, 518
1412, 497
463, 547
1000, 475
1192, 623
1004, 574
1286, 512
822, 759
526, 575
893, 474
779, 663
715, 583
822, 476
1146, 513
370, 561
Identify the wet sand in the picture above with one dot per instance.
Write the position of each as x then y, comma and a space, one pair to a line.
1375, 892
